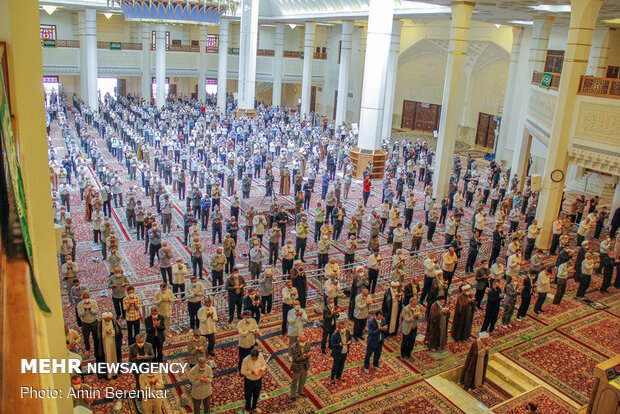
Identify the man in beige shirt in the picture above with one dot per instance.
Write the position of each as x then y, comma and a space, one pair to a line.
253, 369
248, 329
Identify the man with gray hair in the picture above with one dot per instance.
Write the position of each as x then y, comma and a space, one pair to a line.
201, 377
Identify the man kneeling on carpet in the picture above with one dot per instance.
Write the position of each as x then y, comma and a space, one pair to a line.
475, 369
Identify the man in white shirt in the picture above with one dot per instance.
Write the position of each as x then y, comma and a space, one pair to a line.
252, 369
248, 329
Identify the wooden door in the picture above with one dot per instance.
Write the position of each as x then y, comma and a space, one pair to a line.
335, 103
426, 117
485, 131
173, 90
408, 115
312, 99
121, 87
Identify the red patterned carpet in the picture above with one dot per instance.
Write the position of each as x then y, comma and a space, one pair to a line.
548, 403
490, 394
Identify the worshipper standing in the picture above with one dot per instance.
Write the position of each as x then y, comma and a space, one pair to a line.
248, 329
108, 344
587, 269
196, 348
494, 298
162, 299
437, 325
266, 290
252, 302
511, 290
475, 368
201, 377
339, 344
358, 284
141, 352
298, 276
543, 287
155, 326
88, 312
207, 316
195, 293
330, 316
362, 303
118, 282
152, 383
391, 308
409, 326
297, 317
300, 354
234, 287
483, 275
289, 297
252, 369
474, 245
565, 270
463, 314
374, 343
81, 392
526, 294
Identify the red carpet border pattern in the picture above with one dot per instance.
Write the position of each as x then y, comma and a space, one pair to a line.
548, 403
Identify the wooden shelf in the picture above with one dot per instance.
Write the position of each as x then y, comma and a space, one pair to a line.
361, 157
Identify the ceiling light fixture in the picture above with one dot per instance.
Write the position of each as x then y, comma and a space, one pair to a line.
108, 15
522, 22
612, 21
552, 8
49, 9
498, 25
292, 26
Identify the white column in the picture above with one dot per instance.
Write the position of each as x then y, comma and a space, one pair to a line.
467, 96
306, 79
343, 74
582, 22
145, 62
83, 64
538, 52
373, 89
597, 63
160, 65
247, 53
330, 78
91, 57
508, 115
278, 61
452, 91
390, 82
222, 66
202, 63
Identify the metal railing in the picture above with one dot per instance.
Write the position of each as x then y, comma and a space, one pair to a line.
67, 43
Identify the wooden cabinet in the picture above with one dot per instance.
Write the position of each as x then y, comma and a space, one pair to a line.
360, 158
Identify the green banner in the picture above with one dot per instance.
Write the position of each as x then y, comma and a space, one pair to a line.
546, 79
49, 43
115, 45
17, 184
234, 50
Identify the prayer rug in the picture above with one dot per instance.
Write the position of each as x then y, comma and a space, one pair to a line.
598, 331
556, 359
548, 403
490, 394
420, 397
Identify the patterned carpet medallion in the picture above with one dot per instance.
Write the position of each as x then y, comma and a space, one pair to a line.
598, 331
565, 364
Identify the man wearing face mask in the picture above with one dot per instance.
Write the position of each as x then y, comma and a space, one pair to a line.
152, 383
300, 352
298, 276
297, 317
376, 335
207, 315
252, 369
463, 314
88, 311
163, 298
330, 315
140, 352
248, 329
201, 377
289, 297
81, 389
109, 341
339, 343
132, 306
155, 332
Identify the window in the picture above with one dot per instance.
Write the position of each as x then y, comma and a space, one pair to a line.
213, 43
176, 42
47, 31
554, 61
612, 72
195, 43
154, 40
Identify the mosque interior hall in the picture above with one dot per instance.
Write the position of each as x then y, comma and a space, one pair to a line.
310, 206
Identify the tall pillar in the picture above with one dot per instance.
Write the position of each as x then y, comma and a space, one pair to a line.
247, 54
343, 74
202, 63
615, 202
306, 79
83, 64
145, 62
222, 66
597, 64
390, 82
467, 96
508, 112
452, 90
582, 22
278, 61
536, 62
160, 65
375, 67
90, 37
